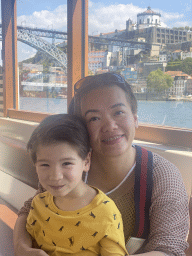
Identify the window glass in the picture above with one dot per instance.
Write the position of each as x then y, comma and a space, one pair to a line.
42, 60
158, 65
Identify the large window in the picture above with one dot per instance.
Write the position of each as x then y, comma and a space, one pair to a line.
152, 66
152, 71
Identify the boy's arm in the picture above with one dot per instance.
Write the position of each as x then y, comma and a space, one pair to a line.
23, 241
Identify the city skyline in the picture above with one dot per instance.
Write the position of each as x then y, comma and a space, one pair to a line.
103, 17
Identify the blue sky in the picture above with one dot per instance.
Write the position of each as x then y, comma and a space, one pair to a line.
115, 12
104, 16
29, 6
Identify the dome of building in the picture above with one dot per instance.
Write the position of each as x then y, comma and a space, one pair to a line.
149, 18
149, 11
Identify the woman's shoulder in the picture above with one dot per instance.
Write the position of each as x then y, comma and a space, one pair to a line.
161, 162
166, 176
162, 166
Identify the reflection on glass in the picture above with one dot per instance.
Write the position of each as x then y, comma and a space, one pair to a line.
42, 47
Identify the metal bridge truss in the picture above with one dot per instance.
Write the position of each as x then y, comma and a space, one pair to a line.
32, 37
49, 33
40, 44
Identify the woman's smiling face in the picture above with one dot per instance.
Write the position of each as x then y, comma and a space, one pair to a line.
110, 121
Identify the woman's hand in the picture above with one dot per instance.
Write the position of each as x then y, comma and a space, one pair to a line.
23, 251
22, 240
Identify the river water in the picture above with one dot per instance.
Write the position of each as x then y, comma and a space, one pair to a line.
169, 113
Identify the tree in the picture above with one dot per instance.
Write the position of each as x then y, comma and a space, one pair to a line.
158, 81
186, 66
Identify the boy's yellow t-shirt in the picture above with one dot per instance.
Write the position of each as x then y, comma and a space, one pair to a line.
95, 229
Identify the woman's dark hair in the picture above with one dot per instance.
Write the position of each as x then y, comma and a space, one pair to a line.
89, 83
60, 128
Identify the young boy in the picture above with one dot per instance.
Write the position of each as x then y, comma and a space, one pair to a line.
70, 217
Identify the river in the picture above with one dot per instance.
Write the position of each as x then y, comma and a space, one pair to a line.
169, 113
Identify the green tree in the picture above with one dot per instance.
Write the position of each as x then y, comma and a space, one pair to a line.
158, 81
186, 66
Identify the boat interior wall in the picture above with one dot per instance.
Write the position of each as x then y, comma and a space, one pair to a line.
14, 191
14, 159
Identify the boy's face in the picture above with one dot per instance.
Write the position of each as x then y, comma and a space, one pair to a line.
59, 168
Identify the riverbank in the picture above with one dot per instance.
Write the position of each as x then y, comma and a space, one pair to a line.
187, 99
160, 97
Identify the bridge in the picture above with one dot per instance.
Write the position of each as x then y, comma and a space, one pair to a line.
33, 37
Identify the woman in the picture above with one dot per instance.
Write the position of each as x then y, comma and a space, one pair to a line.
110, 110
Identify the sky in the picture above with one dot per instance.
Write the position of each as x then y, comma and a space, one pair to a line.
104, 16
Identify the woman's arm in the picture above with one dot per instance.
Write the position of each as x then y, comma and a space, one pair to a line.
169, 212
22, 240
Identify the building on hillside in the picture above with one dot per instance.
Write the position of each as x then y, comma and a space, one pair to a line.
163, 58
148, 67
56, 69
33, 68
177, 54
98, 60
187, 55
113, 34
181, 55
188, 89
160, 35
141, 85
129, 74
130, 26
57, 75
148, 27
116, 60
179, 83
